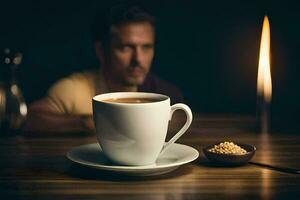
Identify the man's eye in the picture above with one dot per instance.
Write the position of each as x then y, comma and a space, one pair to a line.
125, 48
148, 47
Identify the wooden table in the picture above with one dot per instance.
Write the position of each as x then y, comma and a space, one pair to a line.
37, 168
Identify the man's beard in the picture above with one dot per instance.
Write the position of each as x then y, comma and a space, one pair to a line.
134, 76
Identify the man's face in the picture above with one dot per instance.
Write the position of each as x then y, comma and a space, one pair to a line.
131, 52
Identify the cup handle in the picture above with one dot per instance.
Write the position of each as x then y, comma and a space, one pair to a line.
188, 122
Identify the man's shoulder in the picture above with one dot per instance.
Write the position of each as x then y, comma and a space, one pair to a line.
83, 75
67, 93
74, 80
153, 80
153, 83
83, 79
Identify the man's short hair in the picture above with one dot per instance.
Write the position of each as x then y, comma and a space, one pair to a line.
118, 15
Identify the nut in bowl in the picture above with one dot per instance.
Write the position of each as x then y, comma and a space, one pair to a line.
229, 153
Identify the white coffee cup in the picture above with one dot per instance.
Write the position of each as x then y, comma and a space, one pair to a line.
135, 133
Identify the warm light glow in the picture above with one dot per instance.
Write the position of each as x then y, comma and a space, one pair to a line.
264, 81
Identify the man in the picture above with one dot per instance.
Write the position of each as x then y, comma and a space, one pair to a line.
125, 48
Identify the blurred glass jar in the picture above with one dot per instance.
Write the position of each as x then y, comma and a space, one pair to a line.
13, 109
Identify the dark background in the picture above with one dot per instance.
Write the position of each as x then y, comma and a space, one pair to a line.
209, 49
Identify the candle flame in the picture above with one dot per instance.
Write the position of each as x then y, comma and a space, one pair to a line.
264, 81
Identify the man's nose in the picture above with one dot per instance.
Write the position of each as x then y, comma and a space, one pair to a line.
137, 55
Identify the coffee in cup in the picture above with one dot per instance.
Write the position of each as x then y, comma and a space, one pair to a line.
131, 100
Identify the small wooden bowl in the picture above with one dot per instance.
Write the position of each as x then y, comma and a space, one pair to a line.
230, 159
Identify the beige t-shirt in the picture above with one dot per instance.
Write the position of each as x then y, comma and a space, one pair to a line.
73, 94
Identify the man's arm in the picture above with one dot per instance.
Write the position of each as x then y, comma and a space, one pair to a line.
42, 119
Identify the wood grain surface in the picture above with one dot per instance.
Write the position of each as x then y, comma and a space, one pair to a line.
35, 167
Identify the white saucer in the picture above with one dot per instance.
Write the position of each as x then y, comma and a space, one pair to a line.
91, 155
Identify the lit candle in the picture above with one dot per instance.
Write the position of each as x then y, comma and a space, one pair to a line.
264, 81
